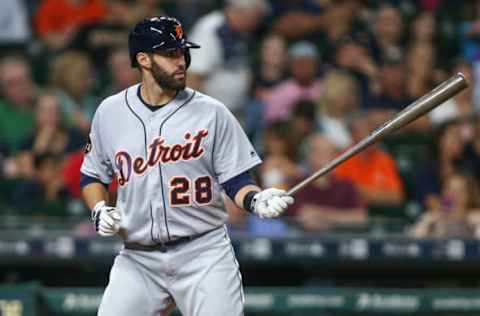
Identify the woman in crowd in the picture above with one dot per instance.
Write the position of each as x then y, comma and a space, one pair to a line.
336, 106
458, 213
281, 150
72, 78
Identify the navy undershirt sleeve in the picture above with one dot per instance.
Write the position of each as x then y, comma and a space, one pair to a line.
234, 185
85, 180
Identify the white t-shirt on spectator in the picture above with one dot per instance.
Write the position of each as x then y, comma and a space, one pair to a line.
444, 112
336, 131
225, 80
14, 25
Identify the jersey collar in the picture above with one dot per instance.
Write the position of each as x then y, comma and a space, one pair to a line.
141, 108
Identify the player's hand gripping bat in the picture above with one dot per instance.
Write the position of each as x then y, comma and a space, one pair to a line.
421, 106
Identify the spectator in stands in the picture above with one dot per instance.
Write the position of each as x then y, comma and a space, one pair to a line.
469, 161
421, 55
423, 28
270, 70
420, 67
48, 137
15, 28
388, 29
373, 170
121, 76
281, 149
303, 120
458, 213
303, 123
302, 19
272, 66
189, 12
146, 8
343, 19
222, 68
469, 31
462, 105
18, 93
99, 37
451, 156
72, 77
393, 96
57, 21
468, 37
303, 85
44, 194
296, 19
329, 201
352, 55
336, 107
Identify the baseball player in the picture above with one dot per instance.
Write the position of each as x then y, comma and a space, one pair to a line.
173, 151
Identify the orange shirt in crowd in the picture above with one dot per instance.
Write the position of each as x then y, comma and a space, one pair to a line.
377, 172
60, 15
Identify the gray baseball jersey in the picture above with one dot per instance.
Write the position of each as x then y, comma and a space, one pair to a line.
169, 163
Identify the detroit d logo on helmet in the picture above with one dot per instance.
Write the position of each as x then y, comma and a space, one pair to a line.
179, 31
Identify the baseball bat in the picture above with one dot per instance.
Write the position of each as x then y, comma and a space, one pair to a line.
424, 104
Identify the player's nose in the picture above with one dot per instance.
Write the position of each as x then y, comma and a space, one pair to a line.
181, 66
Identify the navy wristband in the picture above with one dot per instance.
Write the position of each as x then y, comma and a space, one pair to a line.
247, 201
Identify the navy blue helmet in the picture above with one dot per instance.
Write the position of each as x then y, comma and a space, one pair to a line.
161, 33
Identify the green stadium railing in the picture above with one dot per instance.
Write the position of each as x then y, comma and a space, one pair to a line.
26, 300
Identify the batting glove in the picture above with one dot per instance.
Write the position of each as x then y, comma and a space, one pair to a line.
106, 219
271, 203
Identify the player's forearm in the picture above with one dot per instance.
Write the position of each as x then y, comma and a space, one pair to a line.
93, 193
242, 193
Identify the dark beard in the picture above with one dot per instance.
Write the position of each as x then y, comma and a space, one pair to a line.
166, 81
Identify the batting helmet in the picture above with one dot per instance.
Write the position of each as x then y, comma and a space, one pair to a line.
160, 33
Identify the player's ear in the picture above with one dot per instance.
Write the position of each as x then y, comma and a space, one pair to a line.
144, 60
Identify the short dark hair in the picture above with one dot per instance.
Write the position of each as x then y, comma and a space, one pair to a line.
305, 109
40, 159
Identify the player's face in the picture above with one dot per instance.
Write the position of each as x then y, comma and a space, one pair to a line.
169, 69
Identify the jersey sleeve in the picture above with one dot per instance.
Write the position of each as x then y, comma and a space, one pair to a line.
233, 153
95, 163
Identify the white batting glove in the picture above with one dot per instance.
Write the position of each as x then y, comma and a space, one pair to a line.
271, 203
106, 219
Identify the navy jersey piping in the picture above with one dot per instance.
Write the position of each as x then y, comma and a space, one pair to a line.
151, 226
235, 261
160, 165
138, 117
145, 144
213, 149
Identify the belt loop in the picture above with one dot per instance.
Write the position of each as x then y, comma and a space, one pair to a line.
162, 247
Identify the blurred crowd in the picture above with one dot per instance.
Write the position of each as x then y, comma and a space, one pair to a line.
306, 79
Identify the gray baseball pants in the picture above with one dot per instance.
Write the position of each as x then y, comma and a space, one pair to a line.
200, 276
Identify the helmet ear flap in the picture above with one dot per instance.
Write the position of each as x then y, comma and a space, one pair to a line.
188, 58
